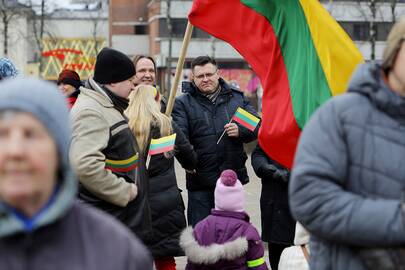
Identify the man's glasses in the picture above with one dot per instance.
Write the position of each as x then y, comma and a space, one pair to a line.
206, 75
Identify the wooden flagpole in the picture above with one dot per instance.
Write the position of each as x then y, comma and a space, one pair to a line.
179, 68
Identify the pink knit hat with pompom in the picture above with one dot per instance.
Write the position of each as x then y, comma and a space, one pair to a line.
229, 194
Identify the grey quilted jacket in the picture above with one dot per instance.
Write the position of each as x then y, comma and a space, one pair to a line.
349, 176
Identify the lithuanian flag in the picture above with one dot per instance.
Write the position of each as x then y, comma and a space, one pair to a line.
300, 53
162, 145
246, 119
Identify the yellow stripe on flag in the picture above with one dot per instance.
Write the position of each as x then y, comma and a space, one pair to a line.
338, 63
248, 115
122, 162
163, 139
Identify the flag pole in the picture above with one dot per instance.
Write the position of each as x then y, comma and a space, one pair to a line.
179, 67
223, 133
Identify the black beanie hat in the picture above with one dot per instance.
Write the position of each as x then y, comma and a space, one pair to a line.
113, 66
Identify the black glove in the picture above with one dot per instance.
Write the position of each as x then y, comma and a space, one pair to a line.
267, 171
281, 175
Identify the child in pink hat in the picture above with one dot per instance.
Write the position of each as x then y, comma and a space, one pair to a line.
225, 239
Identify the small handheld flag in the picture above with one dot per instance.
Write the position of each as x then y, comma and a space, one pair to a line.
246, 119
160, 145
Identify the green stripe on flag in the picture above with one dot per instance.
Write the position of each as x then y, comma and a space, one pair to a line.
246, 119
161, 145
299, 53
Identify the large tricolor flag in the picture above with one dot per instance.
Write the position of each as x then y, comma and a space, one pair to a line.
300, 53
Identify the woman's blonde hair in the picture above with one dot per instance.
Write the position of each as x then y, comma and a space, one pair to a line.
143, 113
394, 42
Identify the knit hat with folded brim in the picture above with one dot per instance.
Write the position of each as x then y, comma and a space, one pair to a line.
43, 101
229, 193
113, 66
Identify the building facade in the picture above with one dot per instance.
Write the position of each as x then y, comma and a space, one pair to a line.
162, 25
42, 40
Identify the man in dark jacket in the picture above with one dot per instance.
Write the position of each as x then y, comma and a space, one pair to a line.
203, 113
348, 182
103, 151
42, 226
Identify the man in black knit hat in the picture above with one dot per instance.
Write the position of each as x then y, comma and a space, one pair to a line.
103, 150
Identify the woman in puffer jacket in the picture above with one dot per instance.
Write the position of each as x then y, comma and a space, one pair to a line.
167, 207
348, 181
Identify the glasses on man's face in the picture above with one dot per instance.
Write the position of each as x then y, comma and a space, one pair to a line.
206, 75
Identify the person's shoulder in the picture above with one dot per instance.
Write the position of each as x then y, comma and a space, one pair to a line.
100, 224
85, 100
236, 91
101, 231
347, 103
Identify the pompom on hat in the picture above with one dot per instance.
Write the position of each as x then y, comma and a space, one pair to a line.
7, 69
229, 193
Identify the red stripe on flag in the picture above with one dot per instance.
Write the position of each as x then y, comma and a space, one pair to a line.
161, 150
252, 35
126, 169
243, 123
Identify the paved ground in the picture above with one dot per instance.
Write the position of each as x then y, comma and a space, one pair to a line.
252, 193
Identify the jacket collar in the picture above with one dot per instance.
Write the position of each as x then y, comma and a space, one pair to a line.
369, 81
238, 215
202, 254
56, 208
95, 91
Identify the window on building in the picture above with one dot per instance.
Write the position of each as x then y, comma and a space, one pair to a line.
141, 29
178, 29
360, 31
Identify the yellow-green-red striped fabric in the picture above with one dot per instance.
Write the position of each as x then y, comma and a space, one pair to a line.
246, 119
162, 145
124, 165
300, 53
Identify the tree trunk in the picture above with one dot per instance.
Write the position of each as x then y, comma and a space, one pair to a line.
373, 26
5, 32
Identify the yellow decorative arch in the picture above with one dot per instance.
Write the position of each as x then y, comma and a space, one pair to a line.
78, 54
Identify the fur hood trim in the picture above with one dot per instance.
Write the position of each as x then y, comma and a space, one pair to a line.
211, 254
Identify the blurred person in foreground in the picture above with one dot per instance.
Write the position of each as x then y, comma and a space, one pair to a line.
348, 179
41, 226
